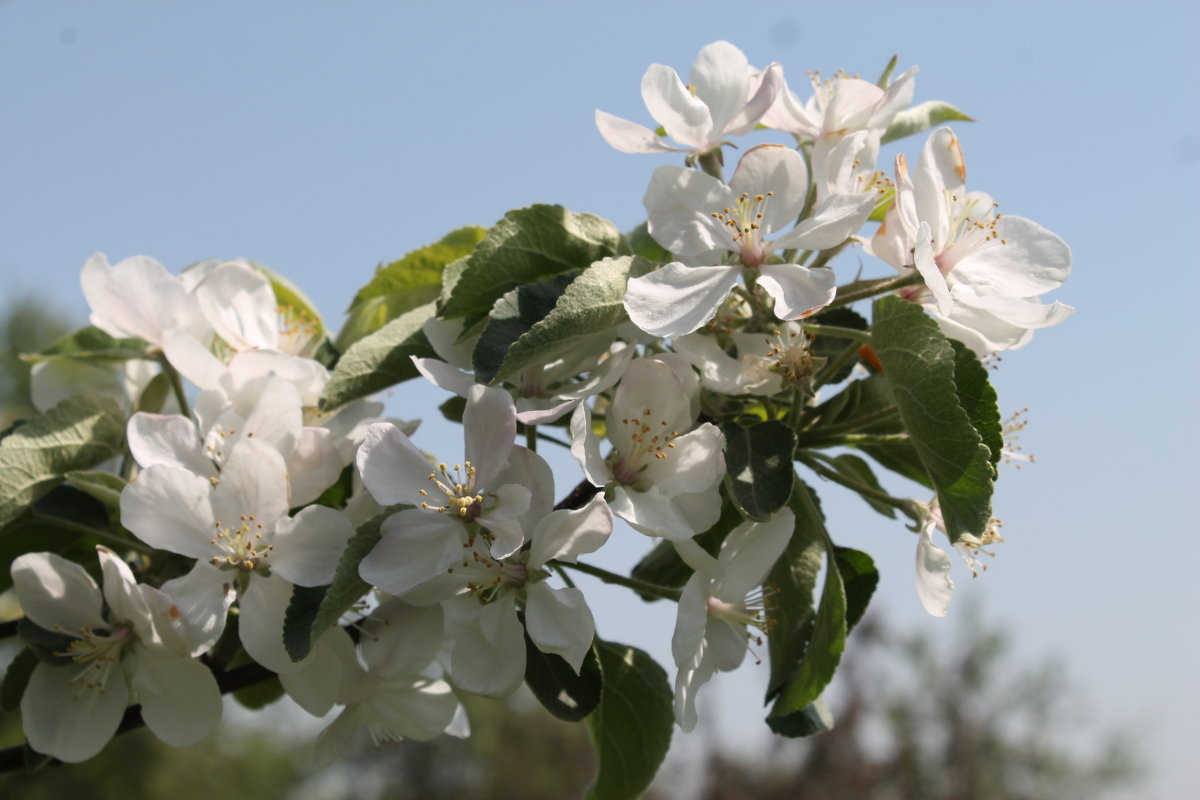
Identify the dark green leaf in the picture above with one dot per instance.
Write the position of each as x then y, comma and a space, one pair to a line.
104, 486
298, 620
528, 245
857, 469
859, 577
631, 729
259, 695
812, 719
380, 360
978, 398
790, 614
829, 347
920, 362
16, 678
758, 466
643, 244
511, 317
78, 433
154, 396
404, 285
556, 686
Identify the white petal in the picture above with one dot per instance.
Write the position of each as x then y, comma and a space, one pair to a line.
798, 291
567, 534
687, 686
585, 447
393, 470
651, 512
560, 622
696, 463
260, 624
679, 206
70, 723
401, 638
170, 509
831, 223
934, 586
489, 646
416, 545
749, 552
240, 305
691, 618
629, 137
923, 258
334, 740
489, 428
167, 439
313, 466
1031, 261
308, 546
677, 299
685, 116
776, 169
444, 376
253, 482
721, 75
180, 700
323, 678
193, 360
55, 592
122, 594
202, 597
770, 86
402, 708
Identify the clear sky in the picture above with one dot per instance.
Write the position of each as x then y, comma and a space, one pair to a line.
322, 139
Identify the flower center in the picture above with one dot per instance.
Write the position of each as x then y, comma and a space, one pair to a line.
743, 224
792, 354
973, 227
242, 544
297, 331
647, 438
458, 488
750, 613
486, 578
97, 652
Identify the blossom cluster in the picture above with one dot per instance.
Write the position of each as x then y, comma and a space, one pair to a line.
687, 371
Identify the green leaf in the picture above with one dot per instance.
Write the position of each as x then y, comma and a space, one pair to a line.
758, 466
859, 577
829, 347
403, 285
511, 317
790, 614
104, 486
259, 695
380, 360
812, 719
78, 433
556, 686
643, 244
631, 729
885, 79
154, 396
920, 363
588, 310
527, 245
28, 534
16, 678
922, 117
978, 398
93, 344
859, 470
308, 616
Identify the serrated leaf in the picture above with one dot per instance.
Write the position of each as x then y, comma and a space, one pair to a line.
78, 433
859, 577
922, 117
564, 694
16, 678
527, 245
978, 398
920, 364
791, 615
590, 308
402, 285
643, 244
91, 343
380, 360
631, 728
104, 486
828, 640
758, 464
511, 318
346, 589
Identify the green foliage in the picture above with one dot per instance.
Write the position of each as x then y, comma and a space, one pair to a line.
758, 466
380, 360
791, 616
412, 281
564, 694
511, 318
920, 364
91, 343
78, 433
859, 577
856, 469
922, 117
16, 678
104, 486
527, 245
631, 729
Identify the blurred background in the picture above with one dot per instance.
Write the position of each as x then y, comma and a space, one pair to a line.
323, 139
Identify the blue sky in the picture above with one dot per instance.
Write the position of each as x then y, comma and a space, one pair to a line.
322, 139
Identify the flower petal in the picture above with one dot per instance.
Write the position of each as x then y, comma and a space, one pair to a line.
629, 137
934, 586
180, 700
308, 545
416, 545
171, 509
560, 622
72, 723
55, 592
676, 299
684, 116
798, 291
